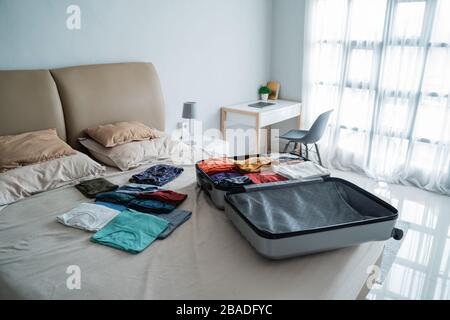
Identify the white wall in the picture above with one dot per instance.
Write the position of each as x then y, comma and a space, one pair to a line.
287, 51
211, 51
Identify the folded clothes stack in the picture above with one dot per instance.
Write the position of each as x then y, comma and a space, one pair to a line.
158, 175
88, 216
93, 187
230, 173
175, 218
253, 165
135, 188
166, 196
131, 231
114, 206
133, 216
301, 171
230, 179
148, 202
259, 178
217, 165
115, 197
151, 206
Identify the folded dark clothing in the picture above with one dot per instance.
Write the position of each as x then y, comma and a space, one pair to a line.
135, 189
235, 182
158, 175
176, 218
150, 206
93, 187
166, 196
115, 197
225, 175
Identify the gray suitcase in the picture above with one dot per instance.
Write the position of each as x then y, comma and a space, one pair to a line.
291, 219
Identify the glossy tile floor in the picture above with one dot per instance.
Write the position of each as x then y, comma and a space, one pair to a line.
422, 267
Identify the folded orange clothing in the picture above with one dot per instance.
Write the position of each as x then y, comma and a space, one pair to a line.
253, 165
217, 165
258, 178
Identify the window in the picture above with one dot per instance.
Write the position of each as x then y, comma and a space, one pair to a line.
384, 66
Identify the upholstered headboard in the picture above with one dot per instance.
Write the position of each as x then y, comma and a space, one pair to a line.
102, 94
29, 101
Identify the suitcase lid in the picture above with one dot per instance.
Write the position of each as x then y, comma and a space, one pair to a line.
292, 208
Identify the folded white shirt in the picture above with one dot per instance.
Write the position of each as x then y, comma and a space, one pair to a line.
301, 171
88, 216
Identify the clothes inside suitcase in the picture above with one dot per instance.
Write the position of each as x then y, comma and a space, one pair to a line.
294, 219
217, 191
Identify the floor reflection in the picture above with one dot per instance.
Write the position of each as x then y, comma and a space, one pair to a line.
422, 267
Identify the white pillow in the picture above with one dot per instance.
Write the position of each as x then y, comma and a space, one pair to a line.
134, 154
23, 182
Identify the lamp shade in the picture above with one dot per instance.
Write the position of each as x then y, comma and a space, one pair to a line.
189, 110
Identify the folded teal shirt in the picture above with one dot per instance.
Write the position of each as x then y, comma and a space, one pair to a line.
131, 231
115, 197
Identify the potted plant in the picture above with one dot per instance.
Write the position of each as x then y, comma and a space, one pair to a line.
264, 92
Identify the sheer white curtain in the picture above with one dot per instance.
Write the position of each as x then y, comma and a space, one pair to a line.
384, 67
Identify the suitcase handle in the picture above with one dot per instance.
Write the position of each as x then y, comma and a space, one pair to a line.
397, 234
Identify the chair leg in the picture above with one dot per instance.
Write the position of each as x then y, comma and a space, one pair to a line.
287, 147
318, 154
295, 147
307, 152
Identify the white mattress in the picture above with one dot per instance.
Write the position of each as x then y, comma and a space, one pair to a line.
206, 258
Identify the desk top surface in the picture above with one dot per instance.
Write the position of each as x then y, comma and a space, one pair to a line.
278, 104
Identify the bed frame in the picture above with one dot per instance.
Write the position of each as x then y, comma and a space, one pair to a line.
75, 98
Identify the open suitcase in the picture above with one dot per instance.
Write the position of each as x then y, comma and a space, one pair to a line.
291, 219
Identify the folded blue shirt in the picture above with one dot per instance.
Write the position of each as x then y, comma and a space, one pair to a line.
131, 231
176, 218
151, 206
113, 206
134, 188
158, 175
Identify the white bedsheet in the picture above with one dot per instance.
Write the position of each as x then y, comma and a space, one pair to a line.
206, 258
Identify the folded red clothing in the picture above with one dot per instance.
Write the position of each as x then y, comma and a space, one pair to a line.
217, 165
258, 178
166, 196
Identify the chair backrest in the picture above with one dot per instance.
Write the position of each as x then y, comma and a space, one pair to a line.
318, 128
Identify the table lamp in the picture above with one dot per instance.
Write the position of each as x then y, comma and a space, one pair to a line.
190, 113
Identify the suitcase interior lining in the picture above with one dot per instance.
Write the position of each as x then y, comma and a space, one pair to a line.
308, 206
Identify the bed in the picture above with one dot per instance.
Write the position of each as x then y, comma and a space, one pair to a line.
205, 259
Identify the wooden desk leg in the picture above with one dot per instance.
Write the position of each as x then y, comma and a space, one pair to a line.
299, 126
269, 139
223, 120
258, 134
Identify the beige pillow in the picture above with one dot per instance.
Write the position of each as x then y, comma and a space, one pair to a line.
26, 181
134, 154
31, 148
111, 135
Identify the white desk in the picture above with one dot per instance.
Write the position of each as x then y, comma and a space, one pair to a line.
262, 118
